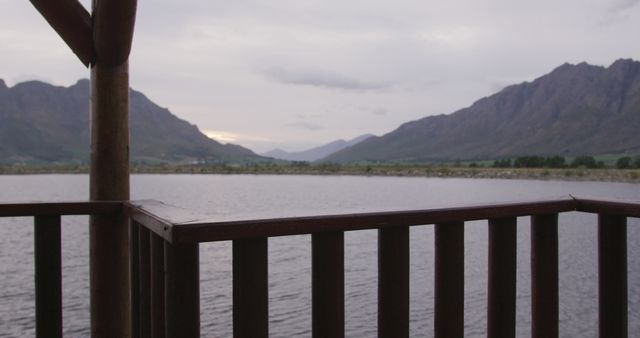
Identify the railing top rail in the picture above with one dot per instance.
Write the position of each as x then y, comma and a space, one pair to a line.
178, 225
27, 209
610, 207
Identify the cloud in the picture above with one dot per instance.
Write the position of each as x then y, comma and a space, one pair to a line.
622, 5
379, 111
320, 78
617, 11
305, 126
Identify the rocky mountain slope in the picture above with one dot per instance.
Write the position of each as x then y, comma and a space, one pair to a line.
44, 123
574, 110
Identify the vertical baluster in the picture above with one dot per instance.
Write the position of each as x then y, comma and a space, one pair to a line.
144, 292
327, 252
544, 276
612, 263
134, 267
449, 280
501, 309
48, 275
182, 290
250, 288
393, 282
157, 286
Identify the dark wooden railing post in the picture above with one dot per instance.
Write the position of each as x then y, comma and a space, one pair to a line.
449, 280
134, 268
48, 276
182, 291
327, 280
393, 282
612, 276
501, 308
157, 287
250, 288
544, 276
145, 283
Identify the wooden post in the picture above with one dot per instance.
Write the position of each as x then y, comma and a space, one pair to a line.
544, 276
250, 288
327, 284
393, 282
501, 304
113, 23
109, 234
48, 275
449, 280
157, 287
612, 276
182, 291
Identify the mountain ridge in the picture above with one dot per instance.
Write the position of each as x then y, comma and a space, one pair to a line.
40, 122
315, 153
573, 110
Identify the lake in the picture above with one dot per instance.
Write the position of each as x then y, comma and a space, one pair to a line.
247, 196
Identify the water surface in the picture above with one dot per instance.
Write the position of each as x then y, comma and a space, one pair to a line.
246, 196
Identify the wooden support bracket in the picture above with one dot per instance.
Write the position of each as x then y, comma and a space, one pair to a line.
72, 22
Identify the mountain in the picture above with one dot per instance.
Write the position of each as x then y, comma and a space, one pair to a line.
574, 110
44, 123
316, 153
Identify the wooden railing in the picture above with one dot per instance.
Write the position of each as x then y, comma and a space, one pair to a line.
47, 251
168, 275
165, 265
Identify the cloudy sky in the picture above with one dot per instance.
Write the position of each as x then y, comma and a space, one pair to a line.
298, 73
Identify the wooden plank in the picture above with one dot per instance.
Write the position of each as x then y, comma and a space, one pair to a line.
250, 288
544, 276
113, 25
212, 229
48, 276
327, 280
182, 292
157, 287
72, 22
449, 280
29, 209
393, 282
612, 276
145, 282
501, 309
160, 217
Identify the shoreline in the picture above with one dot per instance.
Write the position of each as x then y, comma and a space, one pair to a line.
545, 174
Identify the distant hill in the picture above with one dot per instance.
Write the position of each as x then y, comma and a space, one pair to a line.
316, 153
44, 123
574, 110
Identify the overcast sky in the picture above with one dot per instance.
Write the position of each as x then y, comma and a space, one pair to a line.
298, 73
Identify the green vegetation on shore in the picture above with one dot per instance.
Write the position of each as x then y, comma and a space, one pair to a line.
471, 170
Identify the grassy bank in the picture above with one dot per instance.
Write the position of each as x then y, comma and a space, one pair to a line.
568, 174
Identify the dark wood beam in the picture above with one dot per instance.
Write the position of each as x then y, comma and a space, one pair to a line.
114, 21
72, 22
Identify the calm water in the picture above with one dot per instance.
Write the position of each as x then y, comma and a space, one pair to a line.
290, 257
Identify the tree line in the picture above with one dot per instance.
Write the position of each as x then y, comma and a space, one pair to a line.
590, 162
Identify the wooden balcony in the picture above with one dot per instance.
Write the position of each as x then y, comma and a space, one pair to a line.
165, 265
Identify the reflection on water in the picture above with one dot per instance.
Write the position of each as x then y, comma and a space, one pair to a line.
290, 257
